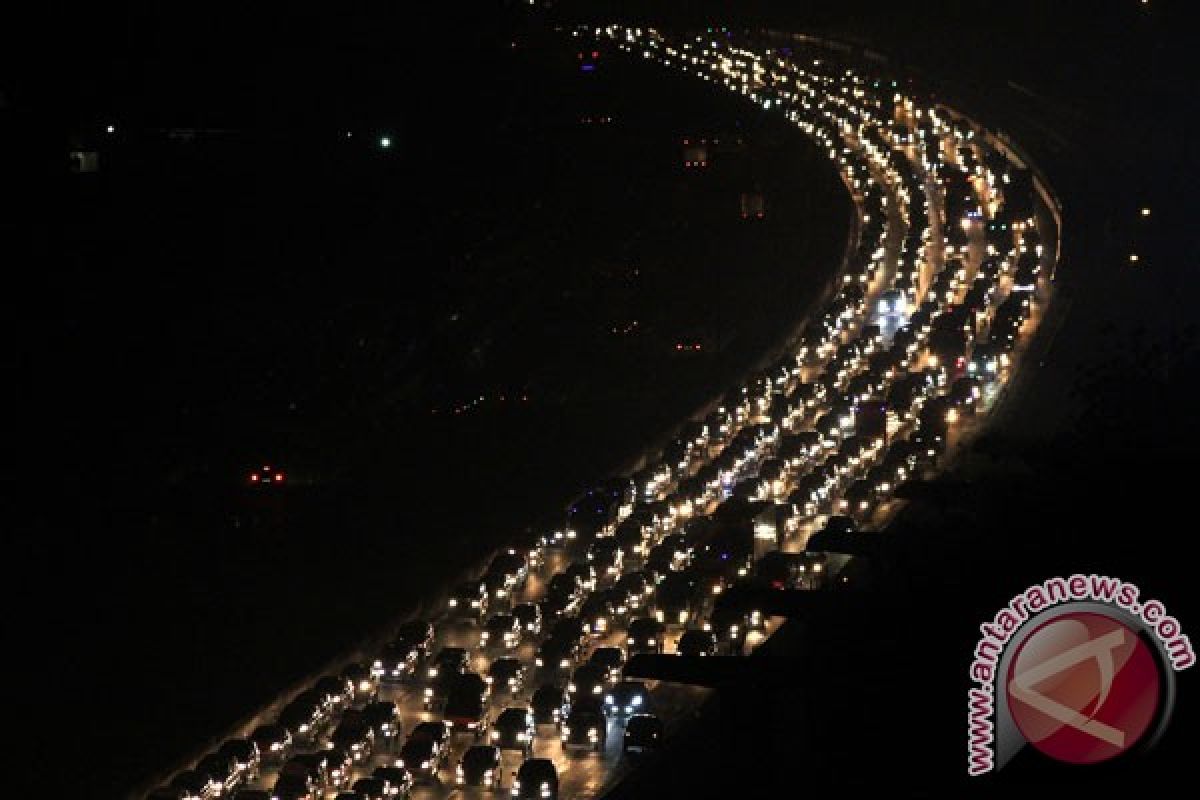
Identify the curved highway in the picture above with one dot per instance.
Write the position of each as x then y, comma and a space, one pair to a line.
929, 318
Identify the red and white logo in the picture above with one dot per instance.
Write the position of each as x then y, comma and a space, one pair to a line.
1083, 688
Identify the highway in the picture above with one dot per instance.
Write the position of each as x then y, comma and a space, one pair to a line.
897, 159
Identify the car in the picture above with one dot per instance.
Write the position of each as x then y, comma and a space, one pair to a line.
506, 674
416, 634
267, 477
511, 561
556, 604
675, 598
197, 784
372, 788
340, 763
606, 556
384, 719
559, 538
557, 653
697, 642
466, 708
296, 787
643, 733
536, 779
397, 663
571, 628
500, 589
584, 573
529, 616
585, 728
469, 600
339, 690
986, 362
500, 631
597, 614
323, 700
435, 731
363, 679
549, 704
421, 758
274, 743
513, 730
450, 664
222, 769
892, 302
505, 575
399, 779
565, 591
449, 660
314, 766
480, 766
1025, 279
645, 636
303, 719
627, 698
356, 736
610, 659
964, 394
246, 756
588, 680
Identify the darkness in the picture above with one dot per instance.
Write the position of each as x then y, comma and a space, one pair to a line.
274, 290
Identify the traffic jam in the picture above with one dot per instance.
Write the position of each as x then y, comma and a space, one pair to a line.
517, 686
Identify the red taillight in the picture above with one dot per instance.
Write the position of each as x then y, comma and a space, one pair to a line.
595, 54
279, 478
254, 477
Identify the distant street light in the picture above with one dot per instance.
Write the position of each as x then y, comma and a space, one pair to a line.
1145, 212
385, 142
111, 129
